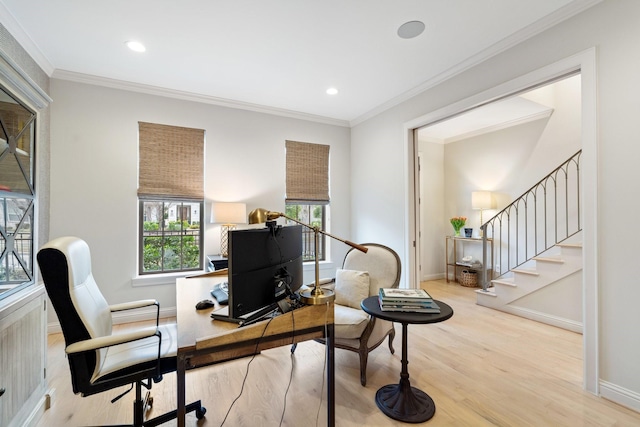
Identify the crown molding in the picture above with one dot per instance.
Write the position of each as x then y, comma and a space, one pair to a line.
21, 36
190, 96
516, 38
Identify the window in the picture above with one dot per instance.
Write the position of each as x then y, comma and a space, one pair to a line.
314, 215
171, 198
307, 197
171, 238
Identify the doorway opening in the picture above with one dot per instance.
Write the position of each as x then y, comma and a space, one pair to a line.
581, 66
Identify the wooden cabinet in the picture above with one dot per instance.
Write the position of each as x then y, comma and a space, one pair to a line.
22, 357
456, 249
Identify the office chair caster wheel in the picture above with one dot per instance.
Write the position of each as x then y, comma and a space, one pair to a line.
200, 412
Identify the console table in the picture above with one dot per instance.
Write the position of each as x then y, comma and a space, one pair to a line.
455, 261
401, 401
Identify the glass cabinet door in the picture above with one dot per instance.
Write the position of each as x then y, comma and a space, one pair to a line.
17, 193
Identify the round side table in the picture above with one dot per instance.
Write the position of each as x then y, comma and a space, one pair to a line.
402, 401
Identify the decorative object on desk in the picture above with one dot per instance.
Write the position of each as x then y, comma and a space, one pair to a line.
469, 278
458, 222
317, 295
481, 200
468, 232
227, 214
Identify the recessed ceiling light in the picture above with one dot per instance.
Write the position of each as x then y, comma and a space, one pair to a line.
411, 29
136, 46
332, 91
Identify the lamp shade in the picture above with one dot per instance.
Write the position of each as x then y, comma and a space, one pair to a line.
228, 213
481, 200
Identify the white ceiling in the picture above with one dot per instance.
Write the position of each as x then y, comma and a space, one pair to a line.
275, 55
488, 118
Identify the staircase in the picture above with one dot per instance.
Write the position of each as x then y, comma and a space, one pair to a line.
538, 246
546, 288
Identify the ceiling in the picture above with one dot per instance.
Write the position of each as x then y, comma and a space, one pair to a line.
278, 56
488, 118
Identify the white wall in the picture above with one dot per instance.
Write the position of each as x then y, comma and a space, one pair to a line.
94, 173
611, 27
432, 196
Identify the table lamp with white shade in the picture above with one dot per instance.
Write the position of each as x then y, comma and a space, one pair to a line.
481, 200
228, 215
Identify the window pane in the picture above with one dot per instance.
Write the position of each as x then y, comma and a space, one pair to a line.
171, 236
314, 216
16, 236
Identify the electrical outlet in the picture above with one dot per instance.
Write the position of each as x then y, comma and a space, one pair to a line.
497, 268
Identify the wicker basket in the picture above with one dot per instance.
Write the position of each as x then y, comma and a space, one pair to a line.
469, 278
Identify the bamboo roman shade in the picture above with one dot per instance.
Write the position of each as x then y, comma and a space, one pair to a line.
171, 161
307, 172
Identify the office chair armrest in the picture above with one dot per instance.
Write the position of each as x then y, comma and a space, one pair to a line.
133, 304
111, 340
137, 304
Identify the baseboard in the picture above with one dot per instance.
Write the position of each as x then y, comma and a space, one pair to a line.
128, 316
559, 322
619, 395
43, 404
428, 277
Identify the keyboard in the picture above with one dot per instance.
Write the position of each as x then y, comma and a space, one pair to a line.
221, 293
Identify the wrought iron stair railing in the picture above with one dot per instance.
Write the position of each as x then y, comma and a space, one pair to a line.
543, 216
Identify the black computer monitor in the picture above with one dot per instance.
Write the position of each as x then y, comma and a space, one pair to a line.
265, 264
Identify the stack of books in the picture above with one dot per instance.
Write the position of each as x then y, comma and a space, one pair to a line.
410, 300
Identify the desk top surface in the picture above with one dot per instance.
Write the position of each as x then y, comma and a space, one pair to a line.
372, 306
194, 324
197, 330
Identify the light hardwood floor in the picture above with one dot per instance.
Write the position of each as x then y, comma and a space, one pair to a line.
481, 367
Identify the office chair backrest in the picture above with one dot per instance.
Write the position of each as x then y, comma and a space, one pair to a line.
65, 264
382, 263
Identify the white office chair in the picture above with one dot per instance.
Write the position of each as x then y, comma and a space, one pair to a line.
361, 276
99, 359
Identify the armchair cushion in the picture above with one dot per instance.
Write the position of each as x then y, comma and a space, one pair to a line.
352, 287
349, 322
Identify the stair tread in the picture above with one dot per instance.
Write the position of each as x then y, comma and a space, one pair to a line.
508, 281
549, 259
529, 271
489, 292
569, 245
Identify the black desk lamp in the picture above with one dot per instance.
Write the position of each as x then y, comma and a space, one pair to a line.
317, 295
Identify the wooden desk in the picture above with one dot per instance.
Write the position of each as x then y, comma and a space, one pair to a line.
203, 341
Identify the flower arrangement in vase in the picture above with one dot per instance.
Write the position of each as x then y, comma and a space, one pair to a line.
458, 222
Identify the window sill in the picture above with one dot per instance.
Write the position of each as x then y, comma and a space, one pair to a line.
161, 279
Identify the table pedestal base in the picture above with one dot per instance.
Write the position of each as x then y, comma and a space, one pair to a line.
405, 403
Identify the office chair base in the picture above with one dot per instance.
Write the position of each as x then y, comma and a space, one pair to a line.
161, 419
141, 405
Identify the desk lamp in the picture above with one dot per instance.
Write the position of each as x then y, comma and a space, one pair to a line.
317, 295
481, 200
227, 214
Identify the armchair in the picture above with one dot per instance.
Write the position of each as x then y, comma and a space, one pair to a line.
100, 360
362, 275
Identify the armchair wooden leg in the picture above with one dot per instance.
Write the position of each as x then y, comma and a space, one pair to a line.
364, 355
